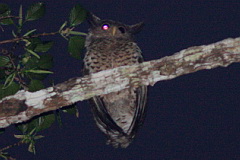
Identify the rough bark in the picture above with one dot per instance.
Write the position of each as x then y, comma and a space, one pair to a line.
24, 105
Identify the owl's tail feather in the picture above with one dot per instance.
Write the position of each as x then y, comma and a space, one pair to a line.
119, 141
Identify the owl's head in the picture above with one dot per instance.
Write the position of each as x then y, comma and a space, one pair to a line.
108, 28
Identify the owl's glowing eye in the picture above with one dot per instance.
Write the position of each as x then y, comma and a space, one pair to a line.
105, 27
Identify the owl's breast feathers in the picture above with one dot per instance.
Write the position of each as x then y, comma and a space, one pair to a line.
117, 114
105, 54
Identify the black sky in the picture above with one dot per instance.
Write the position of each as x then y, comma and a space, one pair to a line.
195, 116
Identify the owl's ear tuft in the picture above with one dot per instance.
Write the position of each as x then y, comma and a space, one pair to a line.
136, 28
92, 19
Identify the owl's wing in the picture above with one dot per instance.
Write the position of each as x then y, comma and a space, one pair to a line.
103, 118
140, 111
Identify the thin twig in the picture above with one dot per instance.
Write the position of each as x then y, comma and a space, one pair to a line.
27, 37
9, 17
11, 146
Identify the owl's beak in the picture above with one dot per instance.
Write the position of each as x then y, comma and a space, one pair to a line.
114, 29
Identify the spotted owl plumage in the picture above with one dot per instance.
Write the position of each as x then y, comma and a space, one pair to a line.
110, 44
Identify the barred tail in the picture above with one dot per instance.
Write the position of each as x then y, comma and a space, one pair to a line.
117, 140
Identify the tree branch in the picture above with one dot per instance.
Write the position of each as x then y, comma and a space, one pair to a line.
24, 105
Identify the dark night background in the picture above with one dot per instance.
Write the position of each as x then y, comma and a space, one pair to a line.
195, 116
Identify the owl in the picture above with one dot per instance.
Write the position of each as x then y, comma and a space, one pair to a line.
110, 44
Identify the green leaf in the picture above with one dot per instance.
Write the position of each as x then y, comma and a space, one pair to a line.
62, 26
24, 128
6, 21
29, 62
5, 11
38, 137
33, 42
20, 21
14, 34
3, 8
5, 155
71, 110
39, 71
77, 33
43, 47
25, 59
76, 46
78, 15
4, 61
10, 90
45, 62
9, 80
35, 85
32, 148
37, 124
32, 52
29, 138
19, 136
47, 122
29, 32
36, 45
35, 11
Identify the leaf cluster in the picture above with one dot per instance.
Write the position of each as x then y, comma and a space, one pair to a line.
28, 62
